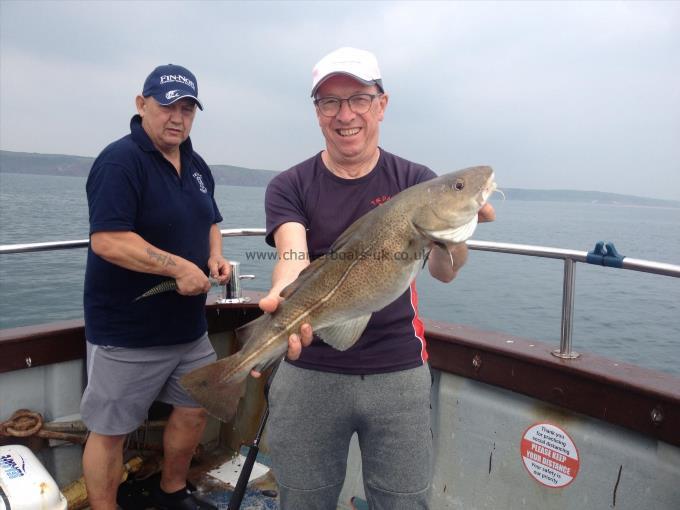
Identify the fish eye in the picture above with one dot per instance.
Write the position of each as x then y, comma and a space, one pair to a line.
460, 184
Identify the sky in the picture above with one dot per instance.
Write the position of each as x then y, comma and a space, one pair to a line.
552, 95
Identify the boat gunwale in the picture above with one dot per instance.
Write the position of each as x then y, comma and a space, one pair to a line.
593, 366
615, 392
642, 400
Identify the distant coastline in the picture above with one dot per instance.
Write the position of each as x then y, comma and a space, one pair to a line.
228, 175
79, 166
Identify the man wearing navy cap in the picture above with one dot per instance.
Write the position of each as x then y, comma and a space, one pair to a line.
152, 217
380, 387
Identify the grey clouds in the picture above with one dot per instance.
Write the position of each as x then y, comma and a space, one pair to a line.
553, 95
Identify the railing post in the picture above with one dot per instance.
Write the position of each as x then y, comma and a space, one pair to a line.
567, 312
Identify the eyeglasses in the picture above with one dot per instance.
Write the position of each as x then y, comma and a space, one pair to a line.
358, 103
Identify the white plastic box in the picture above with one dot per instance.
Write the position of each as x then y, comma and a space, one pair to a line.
25, 484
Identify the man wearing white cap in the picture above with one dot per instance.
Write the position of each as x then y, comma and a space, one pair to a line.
380, 387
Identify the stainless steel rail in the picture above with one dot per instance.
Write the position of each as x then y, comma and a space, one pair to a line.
646, 266
83, 243
51, 246
570, 257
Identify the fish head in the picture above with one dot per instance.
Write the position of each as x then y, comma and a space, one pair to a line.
448, 205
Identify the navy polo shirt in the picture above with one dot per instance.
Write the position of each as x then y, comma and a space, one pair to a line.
326, 205
132, 187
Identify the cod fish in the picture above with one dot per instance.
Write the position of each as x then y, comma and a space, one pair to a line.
370, 265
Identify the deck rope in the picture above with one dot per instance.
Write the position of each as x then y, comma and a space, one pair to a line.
22, 423
26, 423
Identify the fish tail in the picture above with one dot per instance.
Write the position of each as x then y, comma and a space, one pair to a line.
209, 388
218, 387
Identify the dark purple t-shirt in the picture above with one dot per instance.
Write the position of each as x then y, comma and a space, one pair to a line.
326, 205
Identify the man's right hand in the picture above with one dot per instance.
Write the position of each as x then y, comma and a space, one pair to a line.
130, 251
192, 281
269, 304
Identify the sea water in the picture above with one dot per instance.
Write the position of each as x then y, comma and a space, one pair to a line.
624, 315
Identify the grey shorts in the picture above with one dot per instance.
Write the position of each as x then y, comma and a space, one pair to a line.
123, 382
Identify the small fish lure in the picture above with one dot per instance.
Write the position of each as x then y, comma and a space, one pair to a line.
165, 286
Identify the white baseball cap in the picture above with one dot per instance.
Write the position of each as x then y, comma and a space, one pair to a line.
359, 64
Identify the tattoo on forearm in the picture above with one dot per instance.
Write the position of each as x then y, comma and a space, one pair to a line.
163, 260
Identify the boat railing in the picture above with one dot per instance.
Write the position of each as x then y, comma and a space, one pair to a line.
603, 254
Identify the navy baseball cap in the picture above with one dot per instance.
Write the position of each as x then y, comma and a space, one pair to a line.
170, 83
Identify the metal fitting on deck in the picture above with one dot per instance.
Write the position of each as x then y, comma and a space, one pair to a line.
232, 292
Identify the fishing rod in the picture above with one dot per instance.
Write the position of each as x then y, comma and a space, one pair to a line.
242, 482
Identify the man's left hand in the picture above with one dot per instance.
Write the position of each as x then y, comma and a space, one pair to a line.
219, 269
486, 214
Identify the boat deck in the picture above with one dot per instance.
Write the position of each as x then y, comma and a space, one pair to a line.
493, 395
213, 479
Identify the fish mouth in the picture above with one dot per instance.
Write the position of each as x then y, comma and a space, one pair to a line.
461, 232
486, 191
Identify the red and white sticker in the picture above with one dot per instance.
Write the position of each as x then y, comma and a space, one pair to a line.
549, 455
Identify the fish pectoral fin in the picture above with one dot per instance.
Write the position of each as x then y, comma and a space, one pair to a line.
344, 335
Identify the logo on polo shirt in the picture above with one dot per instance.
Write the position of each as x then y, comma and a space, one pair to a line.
167, 78
199, 180
172, 94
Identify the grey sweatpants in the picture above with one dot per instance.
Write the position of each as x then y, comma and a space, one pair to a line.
313, 417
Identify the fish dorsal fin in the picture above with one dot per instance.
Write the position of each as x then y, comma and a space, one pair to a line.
304, 275
343, 335
339, 245
350, 231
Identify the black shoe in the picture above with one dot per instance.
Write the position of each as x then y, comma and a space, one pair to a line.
181, 500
